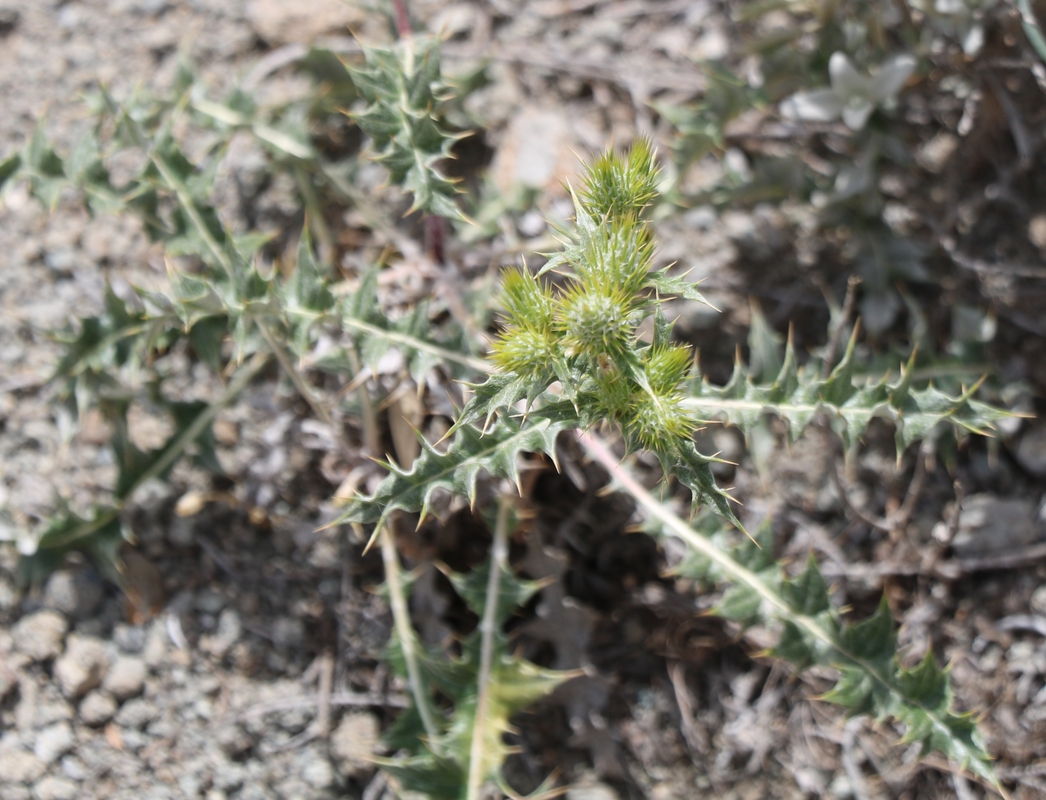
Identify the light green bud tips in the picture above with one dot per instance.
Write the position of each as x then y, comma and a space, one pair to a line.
596, 321
585, 337
527, 346
618, 187
527, 352
527, 303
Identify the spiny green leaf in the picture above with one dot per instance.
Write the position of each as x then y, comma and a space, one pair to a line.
739, 604
421, 344
403, 87
811, 632
8, 168
495, 451
674, 286
486, 685
98, 536
513, 592
797, 396
428, 775
306, 298
206, 337
132, 462
807, 593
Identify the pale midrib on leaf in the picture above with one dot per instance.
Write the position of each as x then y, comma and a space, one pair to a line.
714, 404
479, 457
488, 629
477, 364
619, 475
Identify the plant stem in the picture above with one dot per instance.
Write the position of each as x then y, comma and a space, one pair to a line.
734, 571
316, 220
831, 352
407, 637
488, 629
471, 362
371, 437
1032, 29
399, 8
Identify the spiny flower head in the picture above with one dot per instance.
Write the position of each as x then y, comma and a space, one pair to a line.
526, 302
667, 368
657, 421
620, 257
613, 391
597, 320
529, 344
526, 352
615, 186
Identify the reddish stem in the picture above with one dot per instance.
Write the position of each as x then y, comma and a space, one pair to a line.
435, 230
399, 8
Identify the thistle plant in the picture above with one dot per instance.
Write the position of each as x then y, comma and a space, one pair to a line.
583, 337
571, 357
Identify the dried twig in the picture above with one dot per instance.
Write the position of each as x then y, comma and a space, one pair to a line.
1021, 139
337, 700
321, 726
696, 739
844, 497
898, 519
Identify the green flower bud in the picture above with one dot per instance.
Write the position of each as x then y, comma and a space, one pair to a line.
615, 186
621, 257
657, 422
667, 368
525, 351
595, 322
527, 303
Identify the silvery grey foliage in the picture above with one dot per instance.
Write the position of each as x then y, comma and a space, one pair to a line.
962, 19
852, 96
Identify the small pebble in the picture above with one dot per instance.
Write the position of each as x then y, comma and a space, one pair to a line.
52, 788
97, 709
40, 635
53, 742
137, 714
1037, 231
82, 666
354, 741
592, 791
1031, 450
129, 638
74, 769
155, 650
18, 765
1038, 600
317, 772
125, 678
73, 592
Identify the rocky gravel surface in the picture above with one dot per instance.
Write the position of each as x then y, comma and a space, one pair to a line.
91, 705
248, 665
132, 715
